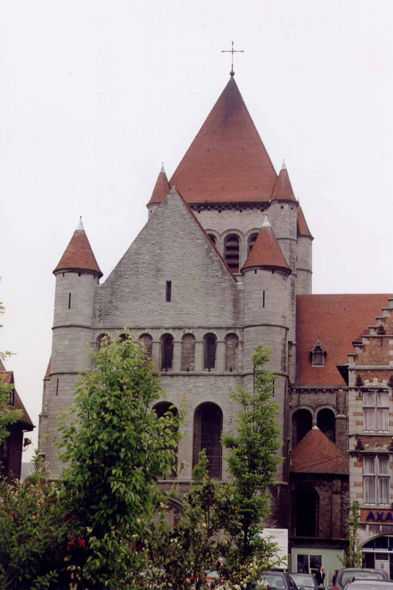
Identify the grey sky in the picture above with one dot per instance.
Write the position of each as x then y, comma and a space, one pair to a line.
96, 94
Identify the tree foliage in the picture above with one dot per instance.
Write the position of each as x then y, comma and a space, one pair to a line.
354, 554
115, 449
8, 415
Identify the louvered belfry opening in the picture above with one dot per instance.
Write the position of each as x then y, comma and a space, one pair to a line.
231, 252
210, 351
207, 435
251, 241
166, 352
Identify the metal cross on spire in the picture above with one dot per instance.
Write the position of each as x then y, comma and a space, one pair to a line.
232, 73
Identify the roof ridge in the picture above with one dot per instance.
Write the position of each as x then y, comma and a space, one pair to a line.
175, 190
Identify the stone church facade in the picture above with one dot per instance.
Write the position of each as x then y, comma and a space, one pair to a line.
223, 264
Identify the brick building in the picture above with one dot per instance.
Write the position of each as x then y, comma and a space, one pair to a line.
13, 445
224, 263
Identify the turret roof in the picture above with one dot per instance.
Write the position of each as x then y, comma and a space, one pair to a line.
79, 255
161, 188
302, 227
227, 161
316, 453
283, 189
266, 252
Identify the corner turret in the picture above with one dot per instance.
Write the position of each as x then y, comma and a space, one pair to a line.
77, 275
267, 288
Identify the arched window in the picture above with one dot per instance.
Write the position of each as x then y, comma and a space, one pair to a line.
326, 422
188, 353
161, 409
147, 342
231, 345
166, 352
305, 511
210, 342
231, 252
212, 238
207, 435
251, 241
301, 424
102, 340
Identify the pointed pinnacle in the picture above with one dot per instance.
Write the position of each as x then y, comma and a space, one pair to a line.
266, 222
162, 168
283, 167
80, 225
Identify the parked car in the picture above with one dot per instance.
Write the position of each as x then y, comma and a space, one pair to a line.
354, 573
369, 585
275, 581
306, 581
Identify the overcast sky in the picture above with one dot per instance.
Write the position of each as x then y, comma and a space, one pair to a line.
95, 94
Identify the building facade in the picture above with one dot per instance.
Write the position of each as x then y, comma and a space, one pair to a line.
223, 264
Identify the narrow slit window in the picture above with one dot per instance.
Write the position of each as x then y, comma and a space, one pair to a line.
169, 290
57, 387
263, 298
69, 300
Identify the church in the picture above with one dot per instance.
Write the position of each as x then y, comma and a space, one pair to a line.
224, 263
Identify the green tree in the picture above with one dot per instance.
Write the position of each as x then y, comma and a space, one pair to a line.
181, 557
115, 449
33, 536
8, 415
354, 554
222, 521
253, 461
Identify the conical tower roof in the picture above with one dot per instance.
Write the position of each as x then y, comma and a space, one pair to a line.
316, 453
302, 227
283, 189
227, 161
266, 252
79, 255
161, 188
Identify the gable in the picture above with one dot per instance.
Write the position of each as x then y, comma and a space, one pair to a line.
171, 247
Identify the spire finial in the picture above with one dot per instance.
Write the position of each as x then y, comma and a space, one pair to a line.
232, 73
80, 225
283, 167
162, 167
266, 222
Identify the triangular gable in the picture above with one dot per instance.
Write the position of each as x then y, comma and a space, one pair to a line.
173, 247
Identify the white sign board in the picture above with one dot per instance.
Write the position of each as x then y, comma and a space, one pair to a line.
280, 537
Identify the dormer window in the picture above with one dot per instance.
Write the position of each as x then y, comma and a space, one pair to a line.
318, 355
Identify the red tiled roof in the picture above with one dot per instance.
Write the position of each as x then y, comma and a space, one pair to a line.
161, 188
227, 161
302, 227
79, 255
336, 321
266, 252
317, 454
283, 189
8, 378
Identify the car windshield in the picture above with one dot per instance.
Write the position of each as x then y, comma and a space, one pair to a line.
301, 580
271, 581
361, 575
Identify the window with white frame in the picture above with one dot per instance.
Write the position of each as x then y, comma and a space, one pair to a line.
376, 411
376, 479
